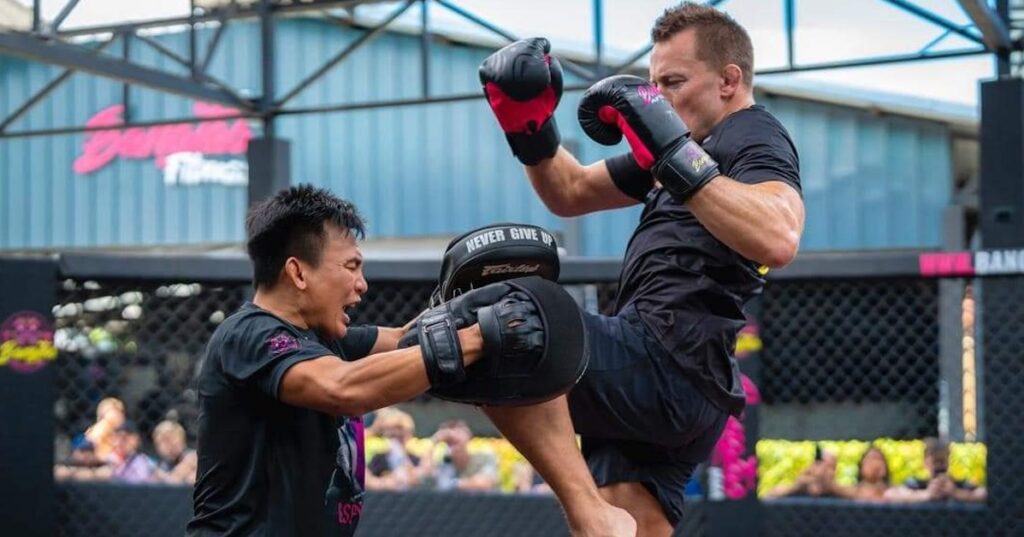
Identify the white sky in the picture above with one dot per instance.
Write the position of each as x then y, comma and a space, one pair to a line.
826, 30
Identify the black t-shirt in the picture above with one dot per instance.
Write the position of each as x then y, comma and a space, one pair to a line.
266, 467
688, 287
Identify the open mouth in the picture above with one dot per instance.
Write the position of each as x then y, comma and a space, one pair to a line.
346, 311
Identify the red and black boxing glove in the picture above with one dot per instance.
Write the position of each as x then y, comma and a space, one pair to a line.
523, 85
629, 105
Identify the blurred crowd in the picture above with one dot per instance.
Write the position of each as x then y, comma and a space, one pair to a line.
111, 449
874, 482
451, 458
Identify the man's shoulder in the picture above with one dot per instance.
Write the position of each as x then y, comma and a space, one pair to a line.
249, 320
249, 313
752, 122
250, 327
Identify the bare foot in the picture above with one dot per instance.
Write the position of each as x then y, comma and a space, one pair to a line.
610, 522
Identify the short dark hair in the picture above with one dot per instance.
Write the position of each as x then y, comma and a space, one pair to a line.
720, 39
291, 223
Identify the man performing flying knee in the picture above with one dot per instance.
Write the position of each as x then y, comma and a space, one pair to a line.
718, 177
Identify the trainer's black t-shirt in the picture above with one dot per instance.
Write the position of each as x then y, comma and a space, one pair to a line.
688, 287
265, 467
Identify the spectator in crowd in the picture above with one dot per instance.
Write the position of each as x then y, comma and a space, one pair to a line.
130, 465
939, 486
102, 434
817, 480
527, 480
395, 469
460, 469
176, 462
82, 464
872, 478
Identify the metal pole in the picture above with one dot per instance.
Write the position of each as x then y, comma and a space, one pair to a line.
598, 39
63, 15
192, 44
1003, 66
269, 158
266, 106
126, 52
36, 17
790, 24
425, 48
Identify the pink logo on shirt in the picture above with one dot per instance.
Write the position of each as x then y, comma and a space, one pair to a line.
282, 343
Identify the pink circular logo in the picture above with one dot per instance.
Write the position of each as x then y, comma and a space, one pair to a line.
26, 342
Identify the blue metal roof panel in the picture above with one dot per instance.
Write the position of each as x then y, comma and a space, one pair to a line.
869, 181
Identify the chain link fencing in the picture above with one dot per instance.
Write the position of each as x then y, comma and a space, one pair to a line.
843, 362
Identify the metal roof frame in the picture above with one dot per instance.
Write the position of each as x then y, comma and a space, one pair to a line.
47, 42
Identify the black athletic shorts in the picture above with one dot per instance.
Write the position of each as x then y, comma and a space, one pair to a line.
640, 419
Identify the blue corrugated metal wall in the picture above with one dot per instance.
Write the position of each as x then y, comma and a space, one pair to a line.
868, 181
425, 170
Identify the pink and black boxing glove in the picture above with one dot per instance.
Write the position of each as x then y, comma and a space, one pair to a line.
629, 105
523, 85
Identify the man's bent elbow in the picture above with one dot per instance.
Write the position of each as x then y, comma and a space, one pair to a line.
782, 252
564, 210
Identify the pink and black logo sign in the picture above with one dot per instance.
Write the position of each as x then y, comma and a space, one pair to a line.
181, 150
26, 342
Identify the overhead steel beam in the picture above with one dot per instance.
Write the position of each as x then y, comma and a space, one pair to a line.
931, 17
81, 59
868, 62
644, 50
59, 19
570, 66
184, 62
339, 57
992, 26
398, 103
211, 48
229, 13
44, 91
633, 58
165, 50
